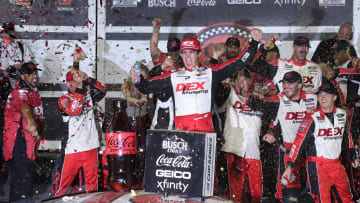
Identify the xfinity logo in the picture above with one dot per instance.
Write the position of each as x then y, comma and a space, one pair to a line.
162, 3
201, 2
244, 1
290, 2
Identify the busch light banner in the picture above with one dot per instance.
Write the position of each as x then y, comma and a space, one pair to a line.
179, 162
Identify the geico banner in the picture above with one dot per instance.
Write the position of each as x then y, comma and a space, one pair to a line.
179, 162
246, 12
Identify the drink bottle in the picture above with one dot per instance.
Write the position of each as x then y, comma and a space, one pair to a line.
121, 149
137, 69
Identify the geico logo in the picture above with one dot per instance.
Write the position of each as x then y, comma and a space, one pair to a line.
308, 79
330, 131
173, 174
190, 86
244, 1
295, 115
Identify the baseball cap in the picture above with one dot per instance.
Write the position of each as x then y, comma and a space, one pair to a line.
232, 41
173, 44
292, 77
340, 45
28, 68
327, 87
190, 44
70, 75
302, 40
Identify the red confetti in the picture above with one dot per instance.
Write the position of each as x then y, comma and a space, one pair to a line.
131, 48
46, 43
90, 21
58, 52
45, 13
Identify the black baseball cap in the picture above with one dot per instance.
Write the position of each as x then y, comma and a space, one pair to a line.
302, 40
340, 45
232, 41
173, 44
292, 77
327, 87
28, 68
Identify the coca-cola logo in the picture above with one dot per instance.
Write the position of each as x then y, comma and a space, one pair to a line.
201, 2
178, 162
128, 142
120, 143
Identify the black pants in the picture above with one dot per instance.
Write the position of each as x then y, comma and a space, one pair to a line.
22, 172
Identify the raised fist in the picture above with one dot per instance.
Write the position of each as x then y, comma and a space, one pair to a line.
156, 22
256, 34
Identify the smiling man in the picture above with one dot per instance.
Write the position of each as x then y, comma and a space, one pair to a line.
289, 108
322, 136
192, 85
309, 71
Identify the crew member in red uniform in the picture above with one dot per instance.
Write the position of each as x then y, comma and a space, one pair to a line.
23, 125
242, 143
289, 108
192, 85
82, 143
321, 136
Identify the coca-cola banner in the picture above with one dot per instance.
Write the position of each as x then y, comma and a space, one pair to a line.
179, 162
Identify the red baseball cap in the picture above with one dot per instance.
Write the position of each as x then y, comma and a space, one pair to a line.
190, 44
70, 76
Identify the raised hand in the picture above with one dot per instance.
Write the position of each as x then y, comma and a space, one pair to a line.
156, 22
256, 34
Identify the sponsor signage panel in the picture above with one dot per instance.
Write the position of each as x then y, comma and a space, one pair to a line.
245, 12
179, 162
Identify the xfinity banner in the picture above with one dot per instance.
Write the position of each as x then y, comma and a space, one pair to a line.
179, 162
245, 12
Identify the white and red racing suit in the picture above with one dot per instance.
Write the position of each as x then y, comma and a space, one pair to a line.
192, 90
241, 135
322, 136
83, 140
310, 72
289, 114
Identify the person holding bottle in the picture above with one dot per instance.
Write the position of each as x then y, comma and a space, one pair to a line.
77, 106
